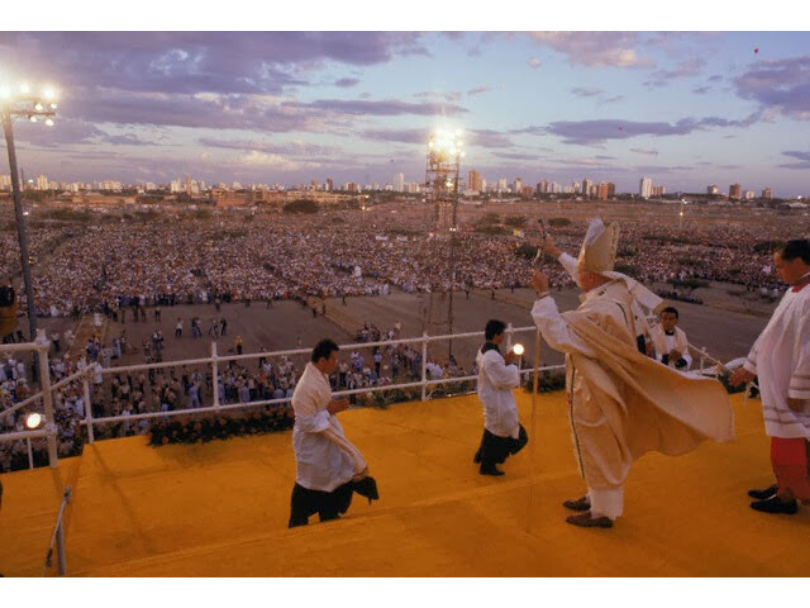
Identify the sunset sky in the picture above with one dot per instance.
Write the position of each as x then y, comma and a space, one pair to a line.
686, 109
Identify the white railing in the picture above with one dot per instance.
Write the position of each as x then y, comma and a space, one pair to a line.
215, 360
425, 383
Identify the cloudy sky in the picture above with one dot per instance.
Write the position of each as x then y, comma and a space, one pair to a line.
686, 109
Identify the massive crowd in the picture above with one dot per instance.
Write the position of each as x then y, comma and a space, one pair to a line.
128, 268
274, 256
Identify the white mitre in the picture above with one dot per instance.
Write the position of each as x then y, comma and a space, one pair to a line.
598, 255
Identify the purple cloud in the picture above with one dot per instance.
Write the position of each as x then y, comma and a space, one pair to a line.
589, 132
404, 136
595, 49
392, 107
780, 85
347, 82
686, 69
486, 138
478, 91
185, 62
586, 91
802, 157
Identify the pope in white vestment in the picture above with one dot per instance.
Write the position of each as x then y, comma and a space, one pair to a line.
622, 403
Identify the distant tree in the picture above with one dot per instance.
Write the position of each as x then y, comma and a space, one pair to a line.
301, 205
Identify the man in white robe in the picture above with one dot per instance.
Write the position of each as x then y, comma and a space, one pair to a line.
497, 378
622, 403
670, 345
329, 469
780, 358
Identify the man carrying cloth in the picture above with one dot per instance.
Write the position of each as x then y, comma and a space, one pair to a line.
622, 403
781, 359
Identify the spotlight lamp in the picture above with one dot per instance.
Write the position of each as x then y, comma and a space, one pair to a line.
33, 421
27, 102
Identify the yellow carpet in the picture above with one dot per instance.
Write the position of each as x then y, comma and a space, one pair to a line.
221, 509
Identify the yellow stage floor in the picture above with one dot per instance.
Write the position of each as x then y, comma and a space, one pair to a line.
221, 509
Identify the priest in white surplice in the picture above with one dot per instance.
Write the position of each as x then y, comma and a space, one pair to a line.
670, 344
622, 403
329, 469
780, 358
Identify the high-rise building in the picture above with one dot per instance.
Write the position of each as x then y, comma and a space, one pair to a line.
42, 183
542, 186
586, 187
474, 181
766, 194
712, 190
502, 185
735, 192
330, 184
749, 195
518, 185
645, 187
399, 182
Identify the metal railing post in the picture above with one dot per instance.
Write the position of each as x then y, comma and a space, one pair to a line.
30, 454
424, 365
60, 549
88, 407
47, 398
509, 336
215, 373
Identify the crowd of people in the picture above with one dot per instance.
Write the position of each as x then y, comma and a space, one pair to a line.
116, 265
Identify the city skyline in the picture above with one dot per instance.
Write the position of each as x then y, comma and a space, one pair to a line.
687, 110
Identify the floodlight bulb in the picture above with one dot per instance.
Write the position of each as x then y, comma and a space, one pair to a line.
5, 92
49, 122
49, 93
53, 106
25, 89
39, 107
33, 420
518, 349
32, 118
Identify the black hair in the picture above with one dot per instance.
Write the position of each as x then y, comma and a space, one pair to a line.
671, 309
323, 350
800, 248
493, 328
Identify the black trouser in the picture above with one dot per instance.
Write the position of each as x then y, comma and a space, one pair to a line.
495, 450
328, 505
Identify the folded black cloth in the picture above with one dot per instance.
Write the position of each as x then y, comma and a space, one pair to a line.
367, 487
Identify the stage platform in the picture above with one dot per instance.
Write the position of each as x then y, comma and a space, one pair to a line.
221, 508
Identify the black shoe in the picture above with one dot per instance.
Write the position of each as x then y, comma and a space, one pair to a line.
776, 505
477, 457
493, 470
584, 520
580, 504
763, 494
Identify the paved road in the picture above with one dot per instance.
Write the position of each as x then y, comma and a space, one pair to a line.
726, 334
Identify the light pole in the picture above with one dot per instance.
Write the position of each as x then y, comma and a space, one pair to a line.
32, 106
442, 180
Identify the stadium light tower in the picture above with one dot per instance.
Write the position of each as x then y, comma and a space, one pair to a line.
444, 154
22, 101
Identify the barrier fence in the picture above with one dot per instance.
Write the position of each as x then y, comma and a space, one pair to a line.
93, 371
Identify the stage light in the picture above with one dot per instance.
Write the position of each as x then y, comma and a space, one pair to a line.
518, 349
34, 421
